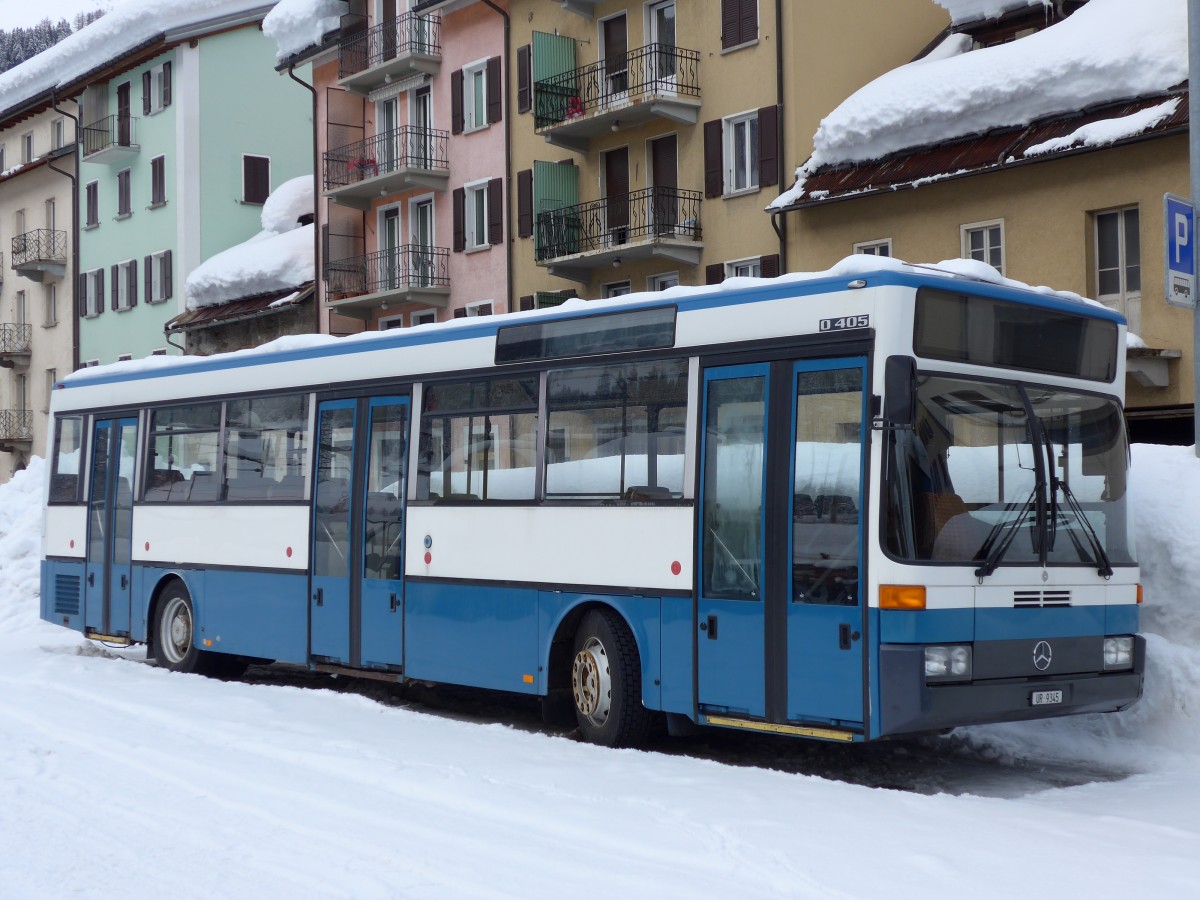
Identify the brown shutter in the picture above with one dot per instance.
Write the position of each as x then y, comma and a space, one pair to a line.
714, 177
116, 286
730, 17
459, 208
166, 84
460, 313
714, 274
456, 102
83, 294
495, 211
768, 146
527, 302
132, 283
495, 93
99, 291
167, 275
524, 79
525, 203
148, 276
146, 88
748, 21
769, 265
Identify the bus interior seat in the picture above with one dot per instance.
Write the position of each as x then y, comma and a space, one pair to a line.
160, 482
647, 493
934, 511
204, 487
804, 509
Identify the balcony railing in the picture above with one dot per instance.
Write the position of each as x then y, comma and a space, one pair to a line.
111, 136
619, 85
406, 44
392, 161
409, 269
16, 425
40, 251
15, 339
614, 223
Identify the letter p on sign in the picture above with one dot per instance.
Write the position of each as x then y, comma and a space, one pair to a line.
1181, 236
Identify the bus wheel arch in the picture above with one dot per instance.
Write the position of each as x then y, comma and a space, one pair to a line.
172, 634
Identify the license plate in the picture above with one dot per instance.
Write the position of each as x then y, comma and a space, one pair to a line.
1045, 698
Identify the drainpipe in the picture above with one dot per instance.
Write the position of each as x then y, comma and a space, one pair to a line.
779, 219
74, 232
508, 124
318, 294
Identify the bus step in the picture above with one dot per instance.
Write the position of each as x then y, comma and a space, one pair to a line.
121, 639
375, 674
829, 734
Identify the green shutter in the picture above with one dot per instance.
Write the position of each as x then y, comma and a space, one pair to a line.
553, 81
555, 187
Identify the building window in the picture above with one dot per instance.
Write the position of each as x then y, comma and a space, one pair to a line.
476, 218
51, 216
50, 318
615, 289
256, 178
157, 268
875, 248
744, 268
92, 204
1118, 256
662, 282
19, 309
475, 96
739, 22
424, 317
90, 363
124, 202
3, 165
158, 182
51, 380
156, 89
741, 152
125, 357
92, 285
27, 147
124, 284
984, 241
58, 132
483, 308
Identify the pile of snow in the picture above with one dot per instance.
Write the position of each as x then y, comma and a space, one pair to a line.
1099, 54
1109, 131
963, 11
296, 25
127, 26
277, 258
20, 547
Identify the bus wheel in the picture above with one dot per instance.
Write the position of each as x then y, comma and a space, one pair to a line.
175, 637
606, 682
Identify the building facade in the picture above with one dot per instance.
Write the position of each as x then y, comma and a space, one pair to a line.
37, 165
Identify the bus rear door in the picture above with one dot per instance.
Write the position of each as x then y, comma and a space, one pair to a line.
780, 615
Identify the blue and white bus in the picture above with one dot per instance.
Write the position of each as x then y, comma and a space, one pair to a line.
848, 506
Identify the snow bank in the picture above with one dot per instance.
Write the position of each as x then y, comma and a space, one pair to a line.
1100, 54
287, 204
296, 25
962, 11
20, 548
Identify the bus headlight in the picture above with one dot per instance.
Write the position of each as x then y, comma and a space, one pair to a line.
1118, 653
949, 663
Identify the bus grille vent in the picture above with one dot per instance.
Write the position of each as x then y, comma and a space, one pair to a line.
66, 594
1041, 599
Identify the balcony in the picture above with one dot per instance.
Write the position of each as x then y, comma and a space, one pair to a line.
658, 81
369, 58
112, 139
388, 163
38, 253
15, 341
585, 8
655, 222
413, 273
16, 430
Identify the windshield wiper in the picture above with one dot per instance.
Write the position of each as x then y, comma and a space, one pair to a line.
1002, 535
1104, 567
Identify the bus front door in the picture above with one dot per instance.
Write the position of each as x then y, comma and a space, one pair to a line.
357, 601
780, 615
110, 527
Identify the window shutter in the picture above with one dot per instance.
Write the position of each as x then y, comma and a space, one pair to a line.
166, 84
525, 203
769, 265
748, 21
713, 163
460, 313
147, 81
116, 287
714, 274
133, 286
460, 233
456, 102
524, 79
495, 211
166, 277
148, 276
527, 302
730, 10
99, 291
768, 146
83, 310
495, 92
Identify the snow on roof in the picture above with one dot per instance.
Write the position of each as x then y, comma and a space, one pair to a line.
121, 31
962, 11
1102, 53
296, 25
277, 258
1108, 131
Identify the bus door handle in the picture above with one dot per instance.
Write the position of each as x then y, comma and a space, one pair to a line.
845, 636
91, 579
710, 627
395, 602
124, 582
319, 596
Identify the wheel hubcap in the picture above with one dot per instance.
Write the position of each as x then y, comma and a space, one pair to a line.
591, 682
176, 632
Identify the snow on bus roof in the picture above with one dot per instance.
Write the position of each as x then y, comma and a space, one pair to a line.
853, 266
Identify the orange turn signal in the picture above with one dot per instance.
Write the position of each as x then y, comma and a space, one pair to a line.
901, 596
1140, 597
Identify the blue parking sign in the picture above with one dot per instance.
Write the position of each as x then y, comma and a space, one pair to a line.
1179, 220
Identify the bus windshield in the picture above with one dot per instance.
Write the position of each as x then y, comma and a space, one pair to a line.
996, 474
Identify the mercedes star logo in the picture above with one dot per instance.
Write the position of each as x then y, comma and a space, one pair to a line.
1042, 654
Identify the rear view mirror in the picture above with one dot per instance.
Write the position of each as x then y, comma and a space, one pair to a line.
899, 391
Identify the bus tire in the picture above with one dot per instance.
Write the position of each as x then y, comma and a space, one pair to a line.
606, 682
175, 635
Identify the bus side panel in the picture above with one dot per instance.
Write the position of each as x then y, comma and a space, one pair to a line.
62, 592
261, 614
472, 634
678, 630
641, 614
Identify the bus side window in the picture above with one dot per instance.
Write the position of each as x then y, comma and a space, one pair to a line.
68, 446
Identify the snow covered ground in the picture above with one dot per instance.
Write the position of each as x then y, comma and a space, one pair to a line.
120, 779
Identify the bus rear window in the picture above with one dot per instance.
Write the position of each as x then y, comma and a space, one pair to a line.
68, 447
640, 329
987, 332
